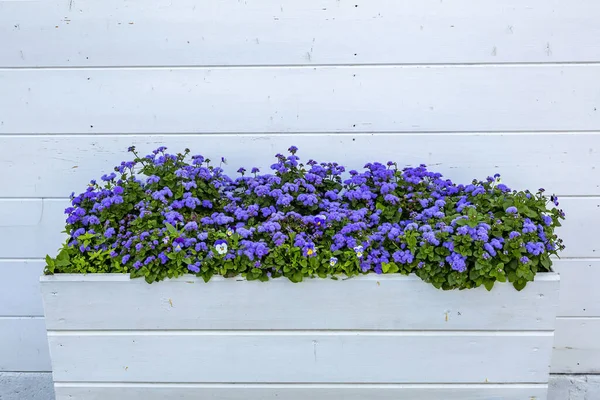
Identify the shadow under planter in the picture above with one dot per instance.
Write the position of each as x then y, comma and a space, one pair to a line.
370, 337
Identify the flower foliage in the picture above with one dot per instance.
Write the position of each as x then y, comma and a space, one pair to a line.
164, 215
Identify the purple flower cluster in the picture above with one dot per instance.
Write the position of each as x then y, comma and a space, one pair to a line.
302, 220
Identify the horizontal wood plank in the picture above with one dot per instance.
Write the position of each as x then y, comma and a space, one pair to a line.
20, 288
367, 303
300, 357
581, 228
301, 99
144, 391
37, 160
32, 228
576, 346
579, 294
192, 32
23, 345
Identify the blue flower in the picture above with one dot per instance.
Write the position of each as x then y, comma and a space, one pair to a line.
457, 262
191, 226
320, 220
78, 232
490, 249
203, 236
178, 244
547, 220
528, 226
309, 250
359, 251
403, 256
110, 177
535, 248
152, 179
333, 261
221, 246
512, 210
195, 268
513, 235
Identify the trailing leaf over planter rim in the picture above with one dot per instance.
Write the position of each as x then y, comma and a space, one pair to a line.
162, 216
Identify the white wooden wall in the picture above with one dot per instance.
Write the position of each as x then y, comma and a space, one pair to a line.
468, 87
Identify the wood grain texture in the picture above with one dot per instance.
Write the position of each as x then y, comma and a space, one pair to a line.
368, 302
42, 221
300, 357
90, 391
579, 294
192, 32
576, 346
24, 346
301, 99
539, 159
20, 288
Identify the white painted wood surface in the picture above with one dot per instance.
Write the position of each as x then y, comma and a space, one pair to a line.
534, 160
300, 350
581, 227
579, 294
301, 99
300, 356
488, 391
576, 346
20, 288
23, 344
31, 228
189, 32
368, 302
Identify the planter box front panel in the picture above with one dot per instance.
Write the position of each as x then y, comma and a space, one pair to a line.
75, 302
375, 337
301, 356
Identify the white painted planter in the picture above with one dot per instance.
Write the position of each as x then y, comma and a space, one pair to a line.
371, 337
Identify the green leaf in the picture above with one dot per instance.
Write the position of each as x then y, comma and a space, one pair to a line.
49, 261
529, 212
546, 262
63, 263
385, 267
171, 229
489, 284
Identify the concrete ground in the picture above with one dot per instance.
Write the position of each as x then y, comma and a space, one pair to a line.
38, 386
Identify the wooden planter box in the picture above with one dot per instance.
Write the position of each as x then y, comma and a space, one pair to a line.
371, 337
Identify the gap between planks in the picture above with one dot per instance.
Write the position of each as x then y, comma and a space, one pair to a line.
298, 332
312, 66
254, 385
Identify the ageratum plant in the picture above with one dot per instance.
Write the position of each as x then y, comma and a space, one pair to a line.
164, 215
